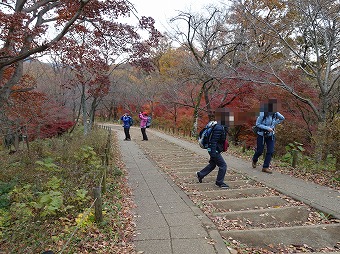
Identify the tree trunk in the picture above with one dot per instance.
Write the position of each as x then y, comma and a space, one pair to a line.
115, 112
195, 117
84, 110
196, 110
93, 108
208, 106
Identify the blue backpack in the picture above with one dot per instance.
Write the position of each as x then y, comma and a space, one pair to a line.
205, 135
148, 122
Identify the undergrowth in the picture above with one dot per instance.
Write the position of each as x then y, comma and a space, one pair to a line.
46, 200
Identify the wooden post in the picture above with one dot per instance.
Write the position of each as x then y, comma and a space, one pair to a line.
244, 146
106, 156
98, 210
104, 180
295, 158
103, 159
105, 163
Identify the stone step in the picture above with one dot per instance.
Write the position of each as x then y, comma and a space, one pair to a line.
187, 168
234, 193
213, 174
251, 203
314, 236
211, 186
266, 218
338, 252
290, 215
169, 157
162, 152
192, 178
183, 163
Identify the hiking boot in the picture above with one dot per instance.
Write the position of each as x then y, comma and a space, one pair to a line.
222, 185
253, 164
267, 170
199, 177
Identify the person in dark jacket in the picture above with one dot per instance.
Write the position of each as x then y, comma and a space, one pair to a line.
266, 122
215, 147
127, 122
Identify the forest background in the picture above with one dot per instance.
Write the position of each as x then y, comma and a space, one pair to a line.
229, 57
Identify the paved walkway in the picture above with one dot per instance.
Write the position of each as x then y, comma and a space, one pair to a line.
167, 220
322, 198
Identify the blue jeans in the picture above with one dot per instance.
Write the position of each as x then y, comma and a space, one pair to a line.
213, 162
270, 142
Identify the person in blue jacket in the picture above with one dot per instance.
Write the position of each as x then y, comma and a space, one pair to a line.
214, 149
127, 123
266, 122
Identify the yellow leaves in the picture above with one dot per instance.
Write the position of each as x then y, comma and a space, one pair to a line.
171, 60
85, 219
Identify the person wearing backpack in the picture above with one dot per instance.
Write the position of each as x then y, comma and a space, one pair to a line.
215, 146
265, 123
148, 122
127, 123
143, 116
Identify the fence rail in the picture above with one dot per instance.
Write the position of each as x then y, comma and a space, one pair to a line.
98, 191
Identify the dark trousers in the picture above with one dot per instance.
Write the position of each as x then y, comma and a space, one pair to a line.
127, 133
143, 130
270, 142
213, 162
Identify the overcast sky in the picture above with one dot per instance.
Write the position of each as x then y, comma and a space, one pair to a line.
162, 11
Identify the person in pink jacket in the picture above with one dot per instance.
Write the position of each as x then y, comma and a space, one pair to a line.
143, 116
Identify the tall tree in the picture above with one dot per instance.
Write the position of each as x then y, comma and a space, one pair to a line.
28, 28
302, 34
25, 30
213, 45
296, 35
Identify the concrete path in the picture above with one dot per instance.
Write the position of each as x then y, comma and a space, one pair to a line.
322, 198
168, 222
166, 219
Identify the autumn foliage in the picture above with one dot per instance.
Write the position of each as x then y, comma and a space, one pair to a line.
36, 115
85, 38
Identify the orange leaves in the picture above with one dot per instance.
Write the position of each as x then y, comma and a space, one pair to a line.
26, 105
66, 9
8, 72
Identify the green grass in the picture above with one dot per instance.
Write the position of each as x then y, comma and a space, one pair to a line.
45, 192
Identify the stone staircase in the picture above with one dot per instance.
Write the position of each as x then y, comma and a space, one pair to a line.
249, 212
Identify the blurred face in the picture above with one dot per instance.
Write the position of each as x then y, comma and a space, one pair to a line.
224, 116
270, 106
